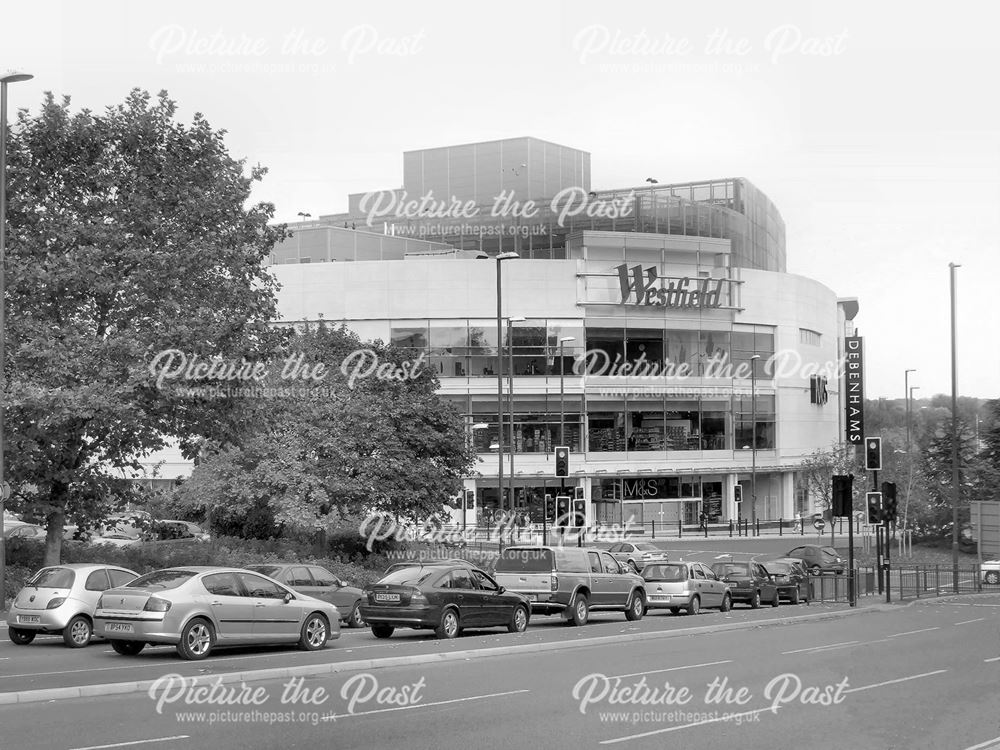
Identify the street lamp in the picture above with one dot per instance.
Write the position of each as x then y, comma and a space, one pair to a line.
510, 400
500, 258
906, 377
954, 428
465, 509
753, 432
11, 76
652, 201
562, 390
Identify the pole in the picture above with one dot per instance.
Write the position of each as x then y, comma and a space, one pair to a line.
851, 585
954, 432
510, 410
499, 395
3, 329
562, 413
907, 397
753, 432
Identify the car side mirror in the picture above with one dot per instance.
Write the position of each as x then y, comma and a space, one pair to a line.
501, 590
288, 597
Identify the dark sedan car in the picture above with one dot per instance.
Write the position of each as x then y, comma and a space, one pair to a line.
791, 577
312, 580
749, 582
443, 598
819, 559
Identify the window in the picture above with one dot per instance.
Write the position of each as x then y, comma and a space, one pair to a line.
261, 588
698, 572
97, 581
595, 562
484, 581
806, 336
162, 579
323, 577
610, 564
221, 584
460, 579
298, 577
119, 577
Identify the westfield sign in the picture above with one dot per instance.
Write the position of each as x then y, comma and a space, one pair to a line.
639, 286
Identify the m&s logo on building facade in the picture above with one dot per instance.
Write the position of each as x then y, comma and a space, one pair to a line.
639, 286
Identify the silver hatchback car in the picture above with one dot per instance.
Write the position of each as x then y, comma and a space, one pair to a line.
685, 585
62, 599
197, 608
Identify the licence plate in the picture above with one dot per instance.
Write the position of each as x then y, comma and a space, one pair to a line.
381, 597
118, 627
28, 619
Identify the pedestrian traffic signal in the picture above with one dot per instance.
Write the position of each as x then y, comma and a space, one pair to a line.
874, 507
843, 495
873, 454
889, 507
562, 461
737, 493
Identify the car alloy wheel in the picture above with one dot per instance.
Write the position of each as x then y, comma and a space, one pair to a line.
727, 603
695, 606
993, 577
314, 633
77, 632
449, 624
636, 608
581, 610
197, 640
755, 600
355, 620
519, 619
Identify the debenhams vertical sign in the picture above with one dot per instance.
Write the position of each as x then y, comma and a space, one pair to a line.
854, 387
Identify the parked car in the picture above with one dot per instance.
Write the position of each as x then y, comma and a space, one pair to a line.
313, 580
116, 539
819, 559
684, 585
991, 571
749, 582
443, 598
24, 531
200, 608
571, 581
637, 554
61, 599
791, 577
410, 563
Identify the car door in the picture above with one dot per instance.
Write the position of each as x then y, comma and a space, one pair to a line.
468, 597
97, 583
768, 590
273, 617
231, 609
710, 585
300, 579
330, 588
618, 584
495, 609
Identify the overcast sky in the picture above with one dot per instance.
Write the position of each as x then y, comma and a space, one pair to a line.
873, 128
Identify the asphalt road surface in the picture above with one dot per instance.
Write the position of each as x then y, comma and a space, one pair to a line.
924, 676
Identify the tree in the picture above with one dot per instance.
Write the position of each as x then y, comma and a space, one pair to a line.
818, 469
130, 233
336, 447
934, 517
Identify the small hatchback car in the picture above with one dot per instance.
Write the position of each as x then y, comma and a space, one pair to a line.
684, 585
62, 599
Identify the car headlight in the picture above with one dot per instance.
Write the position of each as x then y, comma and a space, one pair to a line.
56, 603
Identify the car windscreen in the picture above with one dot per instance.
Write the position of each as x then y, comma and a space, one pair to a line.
269, 570
830, 552
722, 570
162, 579
665, 572
778, 567
412, 576
53, 578
526, 560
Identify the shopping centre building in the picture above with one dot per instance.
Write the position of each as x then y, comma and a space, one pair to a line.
653, 330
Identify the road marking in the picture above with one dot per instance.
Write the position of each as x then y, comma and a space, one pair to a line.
994, 743
966, 622
995, 658
134, 742
911, 632
818, 648
672, 669
334, 717
727, 717
893, 682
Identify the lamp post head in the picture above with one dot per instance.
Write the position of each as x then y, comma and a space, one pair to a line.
652, 181
566, 339
507, 255
15, 76
516, 319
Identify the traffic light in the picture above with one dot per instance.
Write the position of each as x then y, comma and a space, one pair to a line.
562, 461
843, 494
579, 512
737, 493
578, 494
889, 508
470, 500
562, 509
874, 507
550, 508
873, 454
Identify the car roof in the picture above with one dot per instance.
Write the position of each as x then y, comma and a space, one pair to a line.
88, 566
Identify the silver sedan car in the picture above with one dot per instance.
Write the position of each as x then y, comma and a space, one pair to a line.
198, 608
62, 599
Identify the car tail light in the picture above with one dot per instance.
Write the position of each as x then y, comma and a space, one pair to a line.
554, 581
57, 602
155, 604
418, 597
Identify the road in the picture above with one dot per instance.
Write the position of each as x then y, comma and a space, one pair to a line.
920, 677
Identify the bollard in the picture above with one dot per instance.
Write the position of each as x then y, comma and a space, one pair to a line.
756, 527
781, 522
730, 528
652, 525
680, 529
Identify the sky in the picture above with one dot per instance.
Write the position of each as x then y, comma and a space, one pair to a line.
874, 127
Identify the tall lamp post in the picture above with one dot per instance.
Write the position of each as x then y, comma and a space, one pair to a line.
500, 258
5, 78
906, 377
909, 459
753, 441
465, 509
954, 429
510, 403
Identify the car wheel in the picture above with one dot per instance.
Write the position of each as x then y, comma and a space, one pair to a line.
777, 599
636, 608
581, 610
382, 631
727, 603
815, 570
795, 595
315, 633
448, 627
127, 648
674, 610
78, 632
197, 640
755, 600
518, 619
991, 577
20, 637
355, 620
695, 606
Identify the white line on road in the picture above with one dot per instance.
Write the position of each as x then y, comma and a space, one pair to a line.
134, 742
988, 745
673, 669
727, 717
966, 622
995, 658
423, 705
912, 632
818, 648
893, 682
